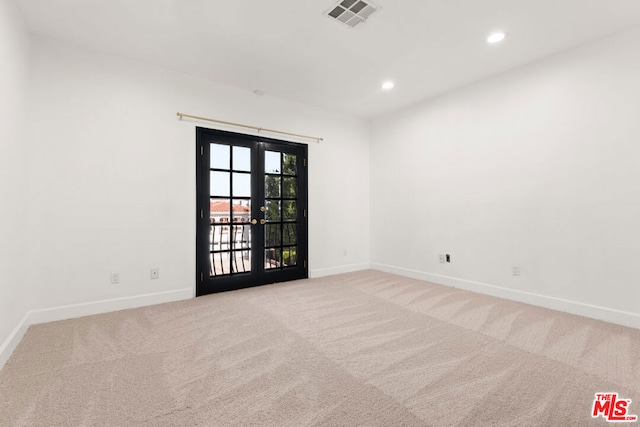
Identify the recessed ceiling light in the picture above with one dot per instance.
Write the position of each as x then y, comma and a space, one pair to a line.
388, 85
496, 37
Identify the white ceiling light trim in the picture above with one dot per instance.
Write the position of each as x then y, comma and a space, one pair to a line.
352, 12
496, 37
388, 85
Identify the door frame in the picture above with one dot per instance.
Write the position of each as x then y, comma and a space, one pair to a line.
258, 275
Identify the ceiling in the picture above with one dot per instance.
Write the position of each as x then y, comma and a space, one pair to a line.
289, 49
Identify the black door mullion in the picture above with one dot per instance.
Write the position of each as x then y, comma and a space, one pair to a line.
303, 221
202, 214
257, 193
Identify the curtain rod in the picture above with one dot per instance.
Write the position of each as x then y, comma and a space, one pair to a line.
259, 129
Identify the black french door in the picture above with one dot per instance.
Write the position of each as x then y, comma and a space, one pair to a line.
252, 211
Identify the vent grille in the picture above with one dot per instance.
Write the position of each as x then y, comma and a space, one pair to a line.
352, 12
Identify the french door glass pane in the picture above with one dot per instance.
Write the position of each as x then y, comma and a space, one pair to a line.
272, 259
272, 162
219, 264
289, 257
242, 159
289, 187
290, 234
272, 210
220, 183
241, 261
289, 210
289, 162
273, 235
219, 156
241, 185
272, 186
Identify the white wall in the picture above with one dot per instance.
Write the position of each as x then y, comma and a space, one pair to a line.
14, 53
112, 172
537, 167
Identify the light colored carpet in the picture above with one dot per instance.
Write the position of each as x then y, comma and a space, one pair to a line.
365, 348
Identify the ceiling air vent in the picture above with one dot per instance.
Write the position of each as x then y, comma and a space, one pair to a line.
352, 12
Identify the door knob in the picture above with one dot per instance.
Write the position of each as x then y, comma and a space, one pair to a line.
263, 221
262, 209
254, 221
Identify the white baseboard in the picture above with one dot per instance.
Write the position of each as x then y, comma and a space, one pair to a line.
323, 272
10, 344
611, 315
52, 314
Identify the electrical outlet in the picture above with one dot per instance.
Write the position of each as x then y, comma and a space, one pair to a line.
115, 278
515, 270
441, 258
155, 273
448, 257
